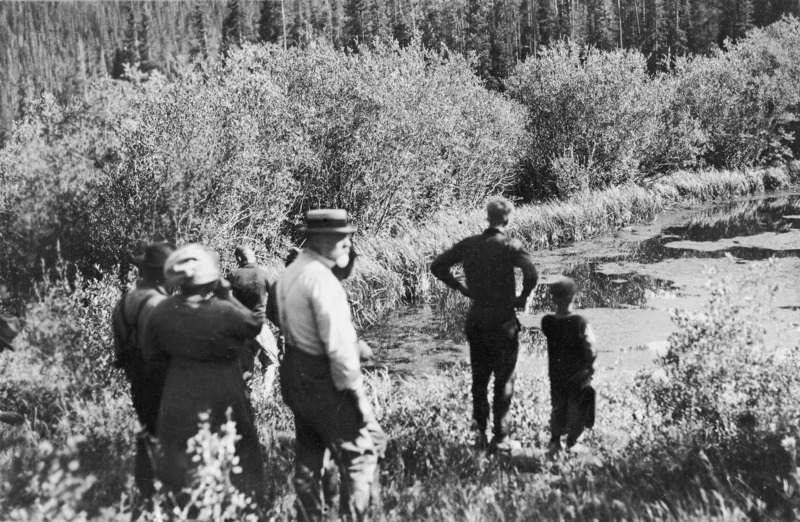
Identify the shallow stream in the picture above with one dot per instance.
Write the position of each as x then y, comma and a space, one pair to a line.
629, 281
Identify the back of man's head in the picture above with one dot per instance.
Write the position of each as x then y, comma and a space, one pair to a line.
244, 255
498, 210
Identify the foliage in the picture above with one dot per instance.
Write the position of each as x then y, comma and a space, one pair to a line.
212, 497
591, 116
713, 372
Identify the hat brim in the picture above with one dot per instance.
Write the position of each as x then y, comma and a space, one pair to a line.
139, 261
5, 345
348, 229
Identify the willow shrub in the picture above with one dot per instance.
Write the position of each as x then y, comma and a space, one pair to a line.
743, 102
591, 117
240, 151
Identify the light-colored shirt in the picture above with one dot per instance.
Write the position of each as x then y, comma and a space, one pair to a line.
315, 317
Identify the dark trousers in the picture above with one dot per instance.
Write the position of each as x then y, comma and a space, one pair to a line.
143, 473
573, 410
326, 418
493, 336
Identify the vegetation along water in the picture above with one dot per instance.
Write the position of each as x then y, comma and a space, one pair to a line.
631, 169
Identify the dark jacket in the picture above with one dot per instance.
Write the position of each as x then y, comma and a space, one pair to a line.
203, 338
250, 285
489, 260
569, 357
146, 377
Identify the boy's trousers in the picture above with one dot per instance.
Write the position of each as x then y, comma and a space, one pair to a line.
573, 410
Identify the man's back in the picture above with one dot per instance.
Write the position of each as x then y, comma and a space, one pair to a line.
489, 260
250, 285
130, 319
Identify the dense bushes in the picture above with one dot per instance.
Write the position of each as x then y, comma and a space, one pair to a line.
598, 119
591, 116
238, 151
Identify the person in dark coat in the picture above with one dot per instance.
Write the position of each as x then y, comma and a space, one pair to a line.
250, 285
202, 330
570, 362
146, 378
492, 328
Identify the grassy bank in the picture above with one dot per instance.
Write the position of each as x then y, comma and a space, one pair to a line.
699, 437
393, 270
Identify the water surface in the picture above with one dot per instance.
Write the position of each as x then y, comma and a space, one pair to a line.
629, 281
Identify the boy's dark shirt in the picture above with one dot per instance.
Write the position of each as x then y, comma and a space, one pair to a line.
250, 285
489, 260
567, 350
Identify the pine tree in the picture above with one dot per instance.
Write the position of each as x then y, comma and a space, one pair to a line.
130, 42
269, 20
199, 47
549, 27
128, 55
478, 36
676, 21
529, 36
702, 27
144, 42
231, 28
355, 25
598, 32
379, 27
654, 44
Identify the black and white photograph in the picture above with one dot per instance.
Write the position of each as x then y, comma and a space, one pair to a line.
399, 260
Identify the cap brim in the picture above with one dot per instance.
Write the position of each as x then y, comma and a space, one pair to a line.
5, 345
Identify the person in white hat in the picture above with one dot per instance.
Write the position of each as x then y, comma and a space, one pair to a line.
321, 376
201, 331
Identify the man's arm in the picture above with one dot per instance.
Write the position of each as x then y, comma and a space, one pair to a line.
522, 260
442, 268
120, 331
336, 331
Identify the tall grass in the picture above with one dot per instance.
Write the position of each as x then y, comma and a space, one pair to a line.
645, 461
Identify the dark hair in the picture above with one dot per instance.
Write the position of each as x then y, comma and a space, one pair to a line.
563, 289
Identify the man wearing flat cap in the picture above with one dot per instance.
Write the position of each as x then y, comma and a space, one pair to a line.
492, 329
321, 375
146, 377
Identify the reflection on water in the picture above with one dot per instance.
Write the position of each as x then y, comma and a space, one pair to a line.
599, 290
734, 220
744, 218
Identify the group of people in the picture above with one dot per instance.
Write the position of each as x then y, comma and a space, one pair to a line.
192, 352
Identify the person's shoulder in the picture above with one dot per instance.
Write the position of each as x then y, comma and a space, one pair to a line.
579, 319
513, 244
547, 320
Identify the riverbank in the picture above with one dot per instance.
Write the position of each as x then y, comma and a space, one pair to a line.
392, 271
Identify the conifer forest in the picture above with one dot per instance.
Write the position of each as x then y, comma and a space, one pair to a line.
57, 46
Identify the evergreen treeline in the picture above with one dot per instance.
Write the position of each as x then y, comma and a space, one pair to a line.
56, 46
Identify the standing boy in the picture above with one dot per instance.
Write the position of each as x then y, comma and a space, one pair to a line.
570, 367
492, 328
